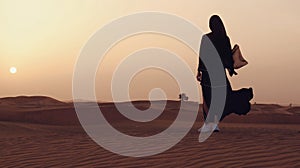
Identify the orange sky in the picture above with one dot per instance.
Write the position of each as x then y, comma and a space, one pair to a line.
42, 39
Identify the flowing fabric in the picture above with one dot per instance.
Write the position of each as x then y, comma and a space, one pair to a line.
237, 101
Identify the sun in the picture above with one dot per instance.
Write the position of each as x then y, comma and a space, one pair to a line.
13, 70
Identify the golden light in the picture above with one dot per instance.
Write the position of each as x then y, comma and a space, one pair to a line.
13, 70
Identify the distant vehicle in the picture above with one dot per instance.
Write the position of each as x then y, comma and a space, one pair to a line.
183, 97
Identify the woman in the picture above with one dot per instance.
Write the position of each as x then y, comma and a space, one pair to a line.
221, 42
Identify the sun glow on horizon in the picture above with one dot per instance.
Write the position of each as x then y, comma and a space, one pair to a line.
13, 70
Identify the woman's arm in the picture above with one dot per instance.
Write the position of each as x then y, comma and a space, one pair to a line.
229, 60
201, 66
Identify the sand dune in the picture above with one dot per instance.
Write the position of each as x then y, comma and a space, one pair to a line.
48, 134
30, 101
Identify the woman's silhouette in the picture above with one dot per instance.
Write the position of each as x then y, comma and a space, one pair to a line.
218, 37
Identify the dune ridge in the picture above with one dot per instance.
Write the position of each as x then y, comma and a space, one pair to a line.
43, 132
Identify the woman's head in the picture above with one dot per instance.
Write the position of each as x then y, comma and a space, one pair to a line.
216, 25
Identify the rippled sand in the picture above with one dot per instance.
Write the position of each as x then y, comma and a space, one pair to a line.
255, 140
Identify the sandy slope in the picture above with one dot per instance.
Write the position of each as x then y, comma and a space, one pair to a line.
49, 136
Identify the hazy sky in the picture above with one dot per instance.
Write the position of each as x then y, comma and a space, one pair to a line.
42, 39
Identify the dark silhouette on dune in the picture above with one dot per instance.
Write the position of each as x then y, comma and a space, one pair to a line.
236, 101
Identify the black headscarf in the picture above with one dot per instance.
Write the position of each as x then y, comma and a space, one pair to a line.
217, 27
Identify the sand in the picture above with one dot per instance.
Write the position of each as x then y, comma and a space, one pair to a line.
48, 134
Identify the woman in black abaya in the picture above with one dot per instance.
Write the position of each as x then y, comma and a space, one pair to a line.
218, 37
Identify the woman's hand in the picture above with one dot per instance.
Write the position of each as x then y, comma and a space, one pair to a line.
232, 72
199, 76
